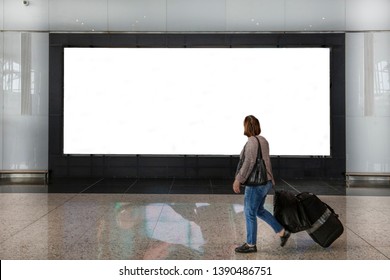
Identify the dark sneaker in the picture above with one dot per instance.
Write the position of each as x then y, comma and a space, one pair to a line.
245, 248
284, 238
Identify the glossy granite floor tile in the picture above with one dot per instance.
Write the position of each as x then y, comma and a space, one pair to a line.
385, 251
125, 225
10, 228
29, 199
20, 210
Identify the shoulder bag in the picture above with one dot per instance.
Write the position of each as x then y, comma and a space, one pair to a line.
258, 176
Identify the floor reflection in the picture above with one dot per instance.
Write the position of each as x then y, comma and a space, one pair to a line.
136, 226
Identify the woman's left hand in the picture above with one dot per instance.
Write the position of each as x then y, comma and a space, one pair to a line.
236, 186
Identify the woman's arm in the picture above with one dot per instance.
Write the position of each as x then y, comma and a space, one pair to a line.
250, 155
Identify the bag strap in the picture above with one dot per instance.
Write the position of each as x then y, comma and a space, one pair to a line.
259, 152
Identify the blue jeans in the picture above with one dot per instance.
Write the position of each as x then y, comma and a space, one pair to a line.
254, 207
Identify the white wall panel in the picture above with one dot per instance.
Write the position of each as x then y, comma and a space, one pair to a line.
255, 15
40, 74
368, 141
315, 15
354, 75
1, 14
367, 15
11, 72
75, 15
381, 68
25, 132
368, 61
137, 15
368, 131
18, 16
1, 98
25, 142
193, 16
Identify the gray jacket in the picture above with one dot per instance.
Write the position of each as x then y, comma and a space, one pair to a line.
250, 150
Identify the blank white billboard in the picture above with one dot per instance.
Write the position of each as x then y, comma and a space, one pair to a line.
192, 101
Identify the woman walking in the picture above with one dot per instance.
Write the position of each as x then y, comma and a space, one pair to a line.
255, 195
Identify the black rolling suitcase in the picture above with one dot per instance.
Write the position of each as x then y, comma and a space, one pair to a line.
326, 227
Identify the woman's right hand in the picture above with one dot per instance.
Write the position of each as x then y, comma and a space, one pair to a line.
236, 186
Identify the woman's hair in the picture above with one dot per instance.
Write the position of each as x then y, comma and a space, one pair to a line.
251, 126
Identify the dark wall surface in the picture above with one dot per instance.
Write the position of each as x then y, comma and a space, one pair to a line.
142, 166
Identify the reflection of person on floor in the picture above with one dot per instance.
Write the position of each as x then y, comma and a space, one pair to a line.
255, 195
214, 229
199, 214
137, 233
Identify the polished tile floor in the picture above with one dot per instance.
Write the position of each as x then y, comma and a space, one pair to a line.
151, 219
